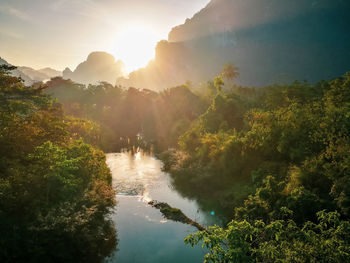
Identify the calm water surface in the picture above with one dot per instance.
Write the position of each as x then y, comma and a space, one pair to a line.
144, 235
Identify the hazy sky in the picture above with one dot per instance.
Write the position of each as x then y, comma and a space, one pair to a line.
60, 33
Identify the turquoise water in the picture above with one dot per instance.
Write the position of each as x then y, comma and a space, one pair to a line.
144, 235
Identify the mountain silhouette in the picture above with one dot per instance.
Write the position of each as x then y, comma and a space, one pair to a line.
268, 40
41, 74
30, 75
17, 73
99, 66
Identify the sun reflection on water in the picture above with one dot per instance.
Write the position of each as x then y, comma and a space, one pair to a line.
138, 155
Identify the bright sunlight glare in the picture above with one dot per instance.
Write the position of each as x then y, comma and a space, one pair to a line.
135, 46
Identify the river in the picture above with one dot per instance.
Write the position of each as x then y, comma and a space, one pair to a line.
144, 235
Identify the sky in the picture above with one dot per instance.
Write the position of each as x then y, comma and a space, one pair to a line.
61, 33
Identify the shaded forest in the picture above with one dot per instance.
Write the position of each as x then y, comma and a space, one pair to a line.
275, 160
55, 189
129, 116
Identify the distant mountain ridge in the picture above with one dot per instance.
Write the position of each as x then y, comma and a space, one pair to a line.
99, 66
17, 73
51, 72
40, 74
268, 40
30, 75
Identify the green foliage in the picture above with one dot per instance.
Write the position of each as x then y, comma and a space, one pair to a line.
55, 190
287, 148
272, 160
297, 127
218, 83
229, 72
279, 241
224, 113
125, 114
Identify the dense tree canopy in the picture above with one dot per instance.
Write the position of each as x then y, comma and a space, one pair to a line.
273, 159
126, 115
55, 190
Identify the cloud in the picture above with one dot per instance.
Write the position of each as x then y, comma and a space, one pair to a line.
10, 34
72, 5
59, 4
15, 12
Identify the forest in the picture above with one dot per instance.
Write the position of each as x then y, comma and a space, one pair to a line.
55, 191
274, 159
174, 131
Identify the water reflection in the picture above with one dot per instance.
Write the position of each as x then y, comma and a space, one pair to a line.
144, 235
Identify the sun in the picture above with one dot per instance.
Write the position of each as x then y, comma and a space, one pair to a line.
135, 45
